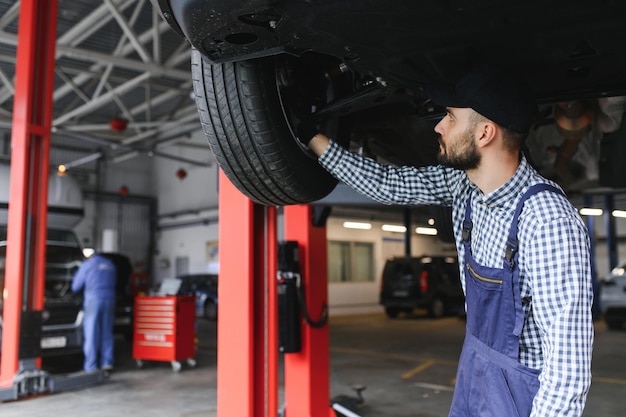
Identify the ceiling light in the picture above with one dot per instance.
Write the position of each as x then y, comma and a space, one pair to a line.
357, 225
619, 213
426, 231
394, 228
586, 211
62, 168
431, 222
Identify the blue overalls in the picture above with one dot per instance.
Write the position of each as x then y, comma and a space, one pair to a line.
96, 278
490, 381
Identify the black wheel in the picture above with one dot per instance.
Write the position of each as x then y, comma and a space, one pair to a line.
210, 310
437, 308
392, 312
243, 116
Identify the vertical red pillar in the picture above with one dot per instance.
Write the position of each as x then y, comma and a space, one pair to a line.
272, 314
30, 146
307, 372
247, 343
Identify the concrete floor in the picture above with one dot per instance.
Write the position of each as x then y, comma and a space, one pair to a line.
408, 366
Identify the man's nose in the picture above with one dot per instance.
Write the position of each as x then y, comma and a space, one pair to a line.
439, 126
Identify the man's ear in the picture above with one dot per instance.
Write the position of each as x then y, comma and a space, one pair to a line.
485, 133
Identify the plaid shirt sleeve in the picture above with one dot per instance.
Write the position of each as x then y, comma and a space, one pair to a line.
389, 184
562, 295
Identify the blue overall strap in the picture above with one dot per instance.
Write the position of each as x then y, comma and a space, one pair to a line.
511, 243
467, 221
512, 247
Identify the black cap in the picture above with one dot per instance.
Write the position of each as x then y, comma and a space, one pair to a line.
497, 95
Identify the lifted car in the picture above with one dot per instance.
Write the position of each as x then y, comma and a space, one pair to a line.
360, 67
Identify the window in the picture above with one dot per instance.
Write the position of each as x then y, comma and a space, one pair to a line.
350, 261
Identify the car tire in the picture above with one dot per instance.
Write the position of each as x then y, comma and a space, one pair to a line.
243, 117
392, 312
210, 310
437, 308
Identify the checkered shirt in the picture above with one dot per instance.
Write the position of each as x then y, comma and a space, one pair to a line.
554, 261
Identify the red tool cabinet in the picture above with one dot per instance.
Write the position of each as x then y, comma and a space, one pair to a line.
165, 330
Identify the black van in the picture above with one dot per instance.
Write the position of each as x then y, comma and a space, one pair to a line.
430, 282
62, 316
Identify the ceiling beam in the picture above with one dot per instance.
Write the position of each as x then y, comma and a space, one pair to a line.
128, 31
104, 59
102, 100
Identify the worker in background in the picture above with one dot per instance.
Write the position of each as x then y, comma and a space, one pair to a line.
96, 279
524, 251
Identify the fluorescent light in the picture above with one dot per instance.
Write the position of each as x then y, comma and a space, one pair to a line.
619, 213
394, 228
79, 161
586, 211
426, 231
357, 225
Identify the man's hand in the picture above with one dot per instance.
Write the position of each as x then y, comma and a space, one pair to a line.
306, 129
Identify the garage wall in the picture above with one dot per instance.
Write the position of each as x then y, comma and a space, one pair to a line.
186, 210
104, 208
193, 245
198, 190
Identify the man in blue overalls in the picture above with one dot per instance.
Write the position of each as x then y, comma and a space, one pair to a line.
96, 277
523, 250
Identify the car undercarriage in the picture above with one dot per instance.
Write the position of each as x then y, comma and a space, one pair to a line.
360, 68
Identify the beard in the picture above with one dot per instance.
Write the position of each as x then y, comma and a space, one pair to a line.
462, 154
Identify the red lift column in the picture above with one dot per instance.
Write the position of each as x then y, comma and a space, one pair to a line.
30, 145
307, 373
247, 337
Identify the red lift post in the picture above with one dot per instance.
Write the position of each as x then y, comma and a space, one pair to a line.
30, 146
247, 360
307, 374
247, 320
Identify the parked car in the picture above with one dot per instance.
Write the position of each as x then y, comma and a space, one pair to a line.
204, 288
361, 67
613, 298
430, 282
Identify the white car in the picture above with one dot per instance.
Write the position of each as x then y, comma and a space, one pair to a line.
613, 298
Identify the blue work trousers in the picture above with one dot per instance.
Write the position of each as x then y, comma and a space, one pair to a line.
98, 345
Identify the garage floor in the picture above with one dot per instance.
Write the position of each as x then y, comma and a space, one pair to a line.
408, 366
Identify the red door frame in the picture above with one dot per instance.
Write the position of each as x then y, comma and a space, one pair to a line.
30, 147
247, 343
